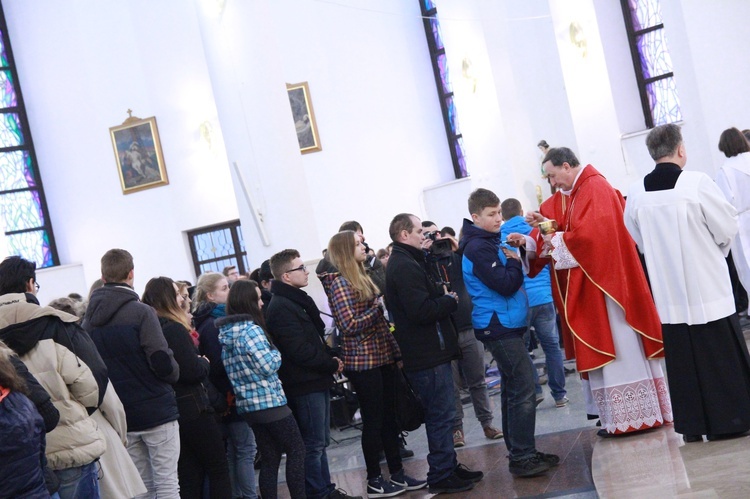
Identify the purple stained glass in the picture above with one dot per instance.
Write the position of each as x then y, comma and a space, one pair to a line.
458, 146
33, 246
21, 210
655, 59
442, 61
664, 101
428, 5
3, 56
7, 90
436, 35
15, 171
645, 13
10, 130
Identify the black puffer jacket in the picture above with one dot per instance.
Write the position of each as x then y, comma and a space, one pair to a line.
420, 310
294, 323
141, 365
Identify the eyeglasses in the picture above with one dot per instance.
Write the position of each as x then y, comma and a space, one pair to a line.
301, 267
36, 285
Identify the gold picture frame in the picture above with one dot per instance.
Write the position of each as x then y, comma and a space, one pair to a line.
303, 117
140, 162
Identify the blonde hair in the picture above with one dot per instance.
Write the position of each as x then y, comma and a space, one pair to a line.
341, 253
206, 284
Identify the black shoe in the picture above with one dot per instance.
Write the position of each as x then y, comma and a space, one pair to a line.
465, 473
341, 494
726, 436
528, 467
405, 453
450, 485
692, 438
550, 459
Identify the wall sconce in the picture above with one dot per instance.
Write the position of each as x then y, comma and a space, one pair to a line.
578, 38
206, 131
467, 70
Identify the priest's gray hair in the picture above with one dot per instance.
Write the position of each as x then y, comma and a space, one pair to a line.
663, 141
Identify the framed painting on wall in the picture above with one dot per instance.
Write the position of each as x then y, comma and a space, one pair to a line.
138, 154
304, 117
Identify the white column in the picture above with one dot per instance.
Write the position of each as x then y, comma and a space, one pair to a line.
245, 66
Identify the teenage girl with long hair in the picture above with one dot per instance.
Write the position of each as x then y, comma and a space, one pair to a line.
201, 444
370, 354
252, 363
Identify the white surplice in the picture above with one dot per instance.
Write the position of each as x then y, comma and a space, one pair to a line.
733, 179
693, 294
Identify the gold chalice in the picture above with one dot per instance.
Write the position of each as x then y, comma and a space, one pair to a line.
547, 228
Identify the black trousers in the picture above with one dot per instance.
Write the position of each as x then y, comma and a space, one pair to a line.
376, 393
202, 453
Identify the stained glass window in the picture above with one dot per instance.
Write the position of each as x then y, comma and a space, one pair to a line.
653, 65
218, 246
444, 87
23, 207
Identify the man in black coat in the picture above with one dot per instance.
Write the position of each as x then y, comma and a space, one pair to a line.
307, 366
421, 310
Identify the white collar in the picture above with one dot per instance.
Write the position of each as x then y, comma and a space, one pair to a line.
567, 193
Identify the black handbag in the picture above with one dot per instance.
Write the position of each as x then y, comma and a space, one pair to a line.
409, 411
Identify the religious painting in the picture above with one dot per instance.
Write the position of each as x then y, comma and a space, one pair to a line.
140, 162
303, 117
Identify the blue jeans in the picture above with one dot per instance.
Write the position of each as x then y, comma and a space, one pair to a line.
240, 457
434, 387
517, 395
313, 414
79, 482
543, 319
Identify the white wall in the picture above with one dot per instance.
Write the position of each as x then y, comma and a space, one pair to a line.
81, 66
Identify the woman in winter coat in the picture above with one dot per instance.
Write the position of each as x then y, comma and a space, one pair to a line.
22, 436
201, 444
252, 363
209, 304
370, 354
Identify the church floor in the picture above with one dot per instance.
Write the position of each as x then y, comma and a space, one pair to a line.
654, 464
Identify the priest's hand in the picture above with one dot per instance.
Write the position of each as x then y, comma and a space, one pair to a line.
534, 217
516, 240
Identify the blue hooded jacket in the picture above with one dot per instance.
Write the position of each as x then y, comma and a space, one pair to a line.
538, 288
495, 285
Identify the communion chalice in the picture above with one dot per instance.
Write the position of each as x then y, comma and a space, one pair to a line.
547, 228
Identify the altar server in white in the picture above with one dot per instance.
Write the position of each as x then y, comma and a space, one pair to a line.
733, 179
684, 227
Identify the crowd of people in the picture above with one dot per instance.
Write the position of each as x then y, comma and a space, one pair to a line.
173, 393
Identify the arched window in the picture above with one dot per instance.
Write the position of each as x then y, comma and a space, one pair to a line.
28, 229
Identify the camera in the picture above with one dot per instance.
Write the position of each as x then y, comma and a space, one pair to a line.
440, 247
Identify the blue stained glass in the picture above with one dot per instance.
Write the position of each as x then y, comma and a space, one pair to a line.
218, 266
3, 56
33, 246
21, 210
7, 90
645, 13
214, 244
15, 171
242, 241
436, 35
10, 130
664, 101
428, 5
458, 146
655, 59
442, 61
452, 117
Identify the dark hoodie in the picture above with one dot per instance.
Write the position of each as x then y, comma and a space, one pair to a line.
141, 365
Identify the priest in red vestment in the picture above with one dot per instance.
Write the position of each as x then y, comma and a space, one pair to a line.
609, 321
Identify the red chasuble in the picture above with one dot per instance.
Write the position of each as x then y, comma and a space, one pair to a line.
595, 234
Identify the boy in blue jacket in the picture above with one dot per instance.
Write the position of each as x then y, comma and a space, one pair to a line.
494, 278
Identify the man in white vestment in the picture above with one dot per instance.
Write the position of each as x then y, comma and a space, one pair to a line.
684, 226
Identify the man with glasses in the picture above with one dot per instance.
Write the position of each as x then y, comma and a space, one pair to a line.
307, 366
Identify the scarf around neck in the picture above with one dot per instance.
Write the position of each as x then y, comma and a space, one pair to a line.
302, 299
